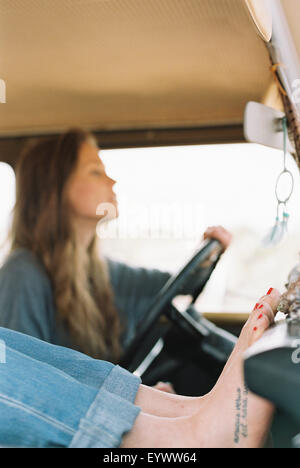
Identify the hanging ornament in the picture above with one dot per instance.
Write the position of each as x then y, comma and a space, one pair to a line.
280, 228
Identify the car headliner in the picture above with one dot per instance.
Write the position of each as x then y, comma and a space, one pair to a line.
121, 66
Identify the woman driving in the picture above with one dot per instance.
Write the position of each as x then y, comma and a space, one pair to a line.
56, 285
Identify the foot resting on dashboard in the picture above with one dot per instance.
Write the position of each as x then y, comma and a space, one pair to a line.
228, 416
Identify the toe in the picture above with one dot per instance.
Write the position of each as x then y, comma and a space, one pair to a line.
262, 315
267, 305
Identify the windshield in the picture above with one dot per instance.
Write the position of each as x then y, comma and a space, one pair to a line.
169, 196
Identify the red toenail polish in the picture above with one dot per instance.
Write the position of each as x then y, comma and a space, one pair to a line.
255, 328
261, 316
256, 306
269, 292
261, 306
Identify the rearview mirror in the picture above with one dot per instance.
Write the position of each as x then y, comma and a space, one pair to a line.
263, 125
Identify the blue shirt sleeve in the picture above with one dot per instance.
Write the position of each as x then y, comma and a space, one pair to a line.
26, 300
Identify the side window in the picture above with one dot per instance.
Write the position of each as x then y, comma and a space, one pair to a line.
169, 196
7, 201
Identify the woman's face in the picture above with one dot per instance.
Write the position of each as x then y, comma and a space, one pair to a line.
89, 190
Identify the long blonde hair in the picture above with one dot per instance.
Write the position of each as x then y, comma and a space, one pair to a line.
41, 223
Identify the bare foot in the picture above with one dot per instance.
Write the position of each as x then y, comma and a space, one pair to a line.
166, 387
234, 417
229, 416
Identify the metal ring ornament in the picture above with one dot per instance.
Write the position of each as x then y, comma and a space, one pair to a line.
286, 171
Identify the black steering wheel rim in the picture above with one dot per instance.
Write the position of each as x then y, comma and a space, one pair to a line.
205, 261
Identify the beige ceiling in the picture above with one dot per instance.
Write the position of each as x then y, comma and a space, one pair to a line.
128, 64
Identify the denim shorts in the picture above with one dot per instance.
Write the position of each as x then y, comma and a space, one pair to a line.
52, 396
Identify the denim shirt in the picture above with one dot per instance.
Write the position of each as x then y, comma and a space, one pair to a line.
27, 302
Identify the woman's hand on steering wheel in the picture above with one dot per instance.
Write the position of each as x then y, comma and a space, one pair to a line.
219, 233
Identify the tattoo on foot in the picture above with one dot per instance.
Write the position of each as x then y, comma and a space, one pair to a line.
241, 416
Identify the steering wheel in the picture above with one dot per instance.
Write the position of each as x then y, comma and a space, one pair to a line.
190, 280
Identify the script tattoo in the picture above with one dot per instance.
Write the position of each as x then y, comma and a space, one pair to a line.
241, 415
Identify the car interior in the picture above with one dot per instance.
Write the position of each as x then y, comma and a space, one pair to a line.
166, 73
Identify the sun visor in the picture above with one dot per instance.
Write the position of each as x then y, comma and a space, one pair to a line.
261, 14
